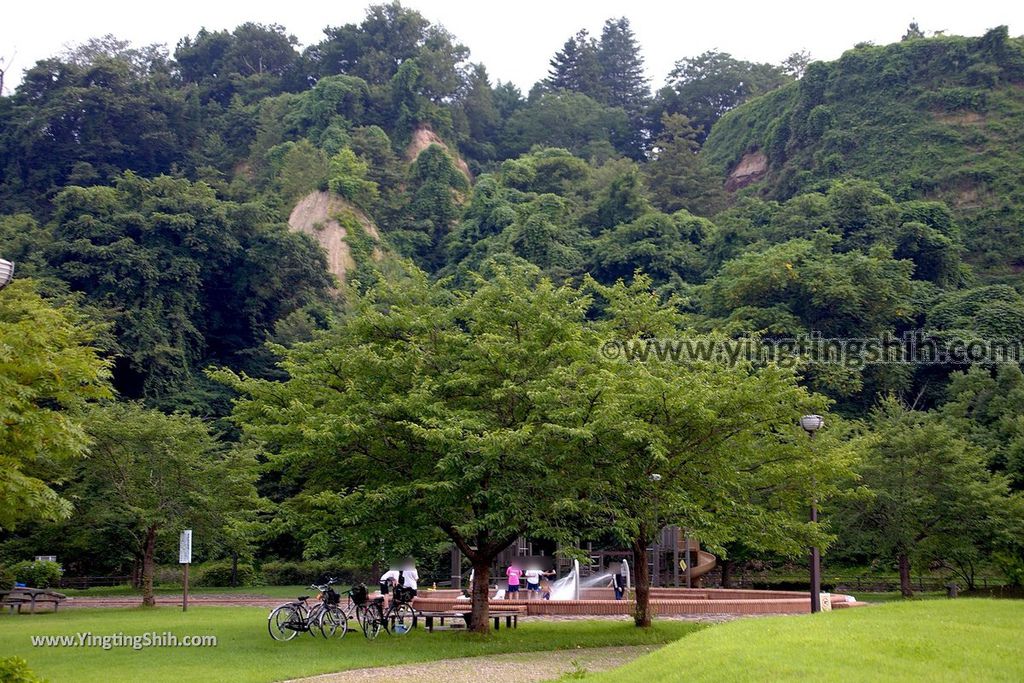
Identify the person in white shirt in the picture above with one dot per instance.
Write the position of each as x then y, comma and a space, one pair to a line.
404, 574
533, 576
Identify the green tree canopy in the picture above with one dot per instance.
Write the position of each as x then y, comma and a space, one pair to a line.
49, 370
152, 475
711, 446
186, 276
932, 497
708, 85
432, 412
677, 176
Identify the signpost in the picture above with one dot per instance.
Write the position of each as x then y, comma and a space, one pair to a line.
185, 558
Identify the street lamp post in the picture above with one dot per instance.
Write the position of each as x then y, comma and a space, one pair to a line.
655, 546
811, 424
6, 273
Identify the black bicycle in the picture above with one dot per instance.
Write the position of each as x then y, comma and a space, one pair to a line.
288, 620
369, 613
400, 617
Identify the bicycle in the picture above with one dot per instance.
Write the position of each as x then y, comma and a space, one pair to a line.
288, 620
369, 613
332, 619
400, 617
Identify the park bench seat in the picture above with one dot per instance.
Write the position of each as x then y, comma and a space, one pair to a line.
19, 597
510, 614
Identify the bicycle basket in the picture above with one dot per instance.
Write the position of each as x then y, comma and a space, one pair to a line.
404, 594
333, 596
359, 594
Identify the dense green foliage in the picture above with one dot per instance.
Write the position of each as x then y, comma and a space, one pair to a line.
938, 118
37, 573
48, 371
15, 670
146, 193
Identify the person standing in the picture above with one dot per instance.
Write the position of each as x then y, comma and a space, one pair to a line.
513, 573
620, 583
533, 576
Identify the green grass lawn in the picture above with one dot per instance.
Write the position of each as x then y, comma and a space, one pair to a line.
120, 591
896, 596
929, 640
245, 651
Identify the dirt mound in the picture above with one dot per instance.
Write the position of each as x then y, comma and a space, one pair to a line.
317, 216
751, 168
424, 137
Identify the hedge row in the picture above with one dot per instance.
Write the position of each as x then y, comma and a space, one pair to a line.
218, 573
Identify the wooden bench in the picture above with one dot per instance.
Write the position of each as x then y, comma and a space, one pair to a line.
509, 614
19, 597
12, 602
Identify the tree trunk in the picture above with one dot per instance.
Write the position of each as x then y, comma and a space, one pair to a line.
642, 583
726, 573
149, 550
905, 586
481, 590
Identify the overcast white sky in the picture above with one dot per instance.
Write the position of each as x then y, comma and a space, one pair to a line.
516, 39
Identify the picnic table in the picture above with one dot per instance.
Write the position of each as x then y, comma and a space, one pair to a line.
510, 614
18, 597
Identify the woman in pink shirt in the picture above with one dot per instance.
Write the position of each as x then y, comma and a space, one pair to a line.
513, 573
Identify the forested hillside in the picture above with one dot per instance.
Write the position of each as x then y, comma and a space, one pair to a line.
937, 118
215, 204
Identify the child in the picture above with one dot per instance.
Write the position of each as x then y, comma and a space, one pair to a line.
533, 577
513, 573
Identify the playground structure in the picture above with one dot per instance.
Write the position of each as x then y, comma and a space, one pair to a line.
673, 559
678, 569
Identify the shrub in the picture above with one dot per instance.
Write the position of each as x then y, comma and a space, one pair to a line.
38, 574
167, 574
218, 573
6, 579
283, 573
1012, 568
15, 670
287, 573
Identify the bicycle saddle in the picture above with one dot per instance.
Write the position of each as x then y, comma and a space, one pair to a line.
301, 598
379, 601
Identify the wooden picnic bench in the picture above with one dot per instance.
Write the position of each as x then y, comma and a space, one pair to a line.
16, 598
510, 614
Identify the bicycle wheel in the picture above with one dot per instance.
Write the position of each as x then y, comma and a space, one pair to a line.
312, 621
360, 615
372, 622
282, 621
401, 619
333, 623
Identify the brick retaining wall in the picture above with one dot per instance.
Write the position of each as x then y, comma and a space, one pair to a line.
664, 601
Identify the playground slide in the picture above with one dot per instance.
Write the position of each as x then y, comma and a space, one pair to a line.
705, 563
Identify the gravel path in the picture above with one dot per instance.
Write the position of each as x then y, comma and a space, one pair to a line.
517, 667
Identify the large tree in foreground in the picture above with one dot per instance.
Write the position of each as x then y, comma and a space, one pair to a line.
434, 412
48, 371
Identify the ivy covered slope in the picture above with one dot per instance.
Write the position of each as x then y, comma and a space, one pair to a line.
939, 117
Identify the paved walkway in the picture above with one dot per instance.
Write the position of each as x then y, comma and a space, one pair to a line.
517, 667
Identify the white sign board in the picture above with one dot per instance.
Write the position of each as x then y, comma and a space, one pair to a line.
185, 547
